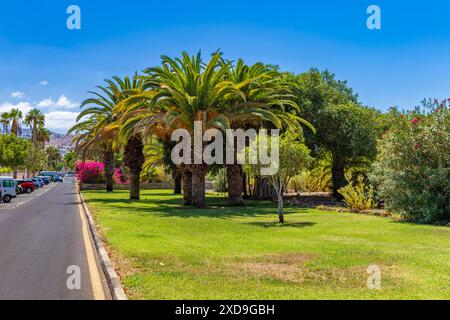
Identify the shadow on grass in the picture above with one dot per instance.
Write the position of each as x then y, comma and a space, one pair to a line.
282, 225
169, 205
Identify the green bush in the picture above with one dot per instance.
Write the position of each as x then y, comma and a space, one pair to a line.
5, 170
357, 196
412, 172
219, 180
298, 183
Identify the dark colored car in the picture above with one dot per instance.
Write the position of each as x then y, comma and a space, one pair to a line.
55, 176
38, 182
46, 179
27, 186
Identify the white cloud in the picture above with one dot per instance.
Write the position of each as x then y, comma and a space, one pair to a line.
25, 107
18, 94
60, 120
43, 83
62, 102
45, 103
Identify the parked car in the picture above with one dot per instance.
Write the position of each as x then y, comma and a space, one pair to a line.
27, 186
7, 189
38, 182
46, 179
56, 177
35, 183
19, 189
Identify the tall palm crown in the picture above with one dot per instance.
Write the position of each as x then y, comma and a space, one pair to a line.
95, 129
267, 97
189, 90
43, 136
35, 119
16, 119
5, 121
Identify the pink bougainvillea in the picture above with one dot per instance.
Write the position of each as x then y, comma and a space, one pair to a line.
119, 177
94, 172
90, 172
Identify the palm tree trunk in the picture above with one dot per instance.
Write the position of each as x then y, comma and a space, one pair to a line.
176, 176
198, 184
338, 177
186, 181
109, 170
34, 136
235, 185
135, 185
134, 159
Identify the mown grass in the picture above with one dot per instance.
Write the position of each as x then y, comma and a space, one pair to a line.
166, 251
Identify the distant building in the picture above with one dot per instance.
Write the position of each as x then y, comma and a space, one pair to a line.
26, 133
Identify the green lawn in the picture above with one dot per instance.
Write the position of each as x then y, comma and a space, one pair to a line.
166, 251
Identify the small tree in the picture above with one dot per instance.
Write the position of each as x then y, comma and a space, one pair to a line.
69, 160
36, 160
13, 151
293, 158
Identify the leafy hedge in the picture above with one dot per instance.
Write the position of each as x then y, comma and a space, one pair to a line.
412, 171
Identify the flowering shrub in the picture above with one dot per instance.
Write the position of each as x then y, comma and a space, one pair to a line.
412, 171
119, 177
90, 172
94, 172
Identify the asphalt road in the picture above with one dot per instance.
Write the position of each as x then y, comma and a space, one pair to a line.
45, 248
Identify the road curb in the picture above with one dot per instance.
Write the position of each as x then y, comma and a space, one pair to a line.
113, 280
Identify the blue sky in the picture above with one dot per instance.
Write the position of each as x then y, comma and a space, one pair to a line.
44, 64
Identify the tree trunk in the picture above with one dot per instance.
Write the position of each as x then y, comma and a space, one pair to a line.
235, 185
176, 176
198, 184
263, 190
34, 135
135, 185
109, 169
338, 176
15, 173
186, 181
244, 183
280, 208
134, 159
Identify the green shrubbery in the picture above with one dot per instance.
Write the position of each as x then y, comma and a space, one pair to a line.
412, 171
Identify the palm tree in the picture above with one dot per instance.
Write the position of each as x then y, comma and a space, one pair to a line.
134, 147
99, 131
35, 120
184, 90
90, 131
43, 136
5, 120
178, 93
16, 118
